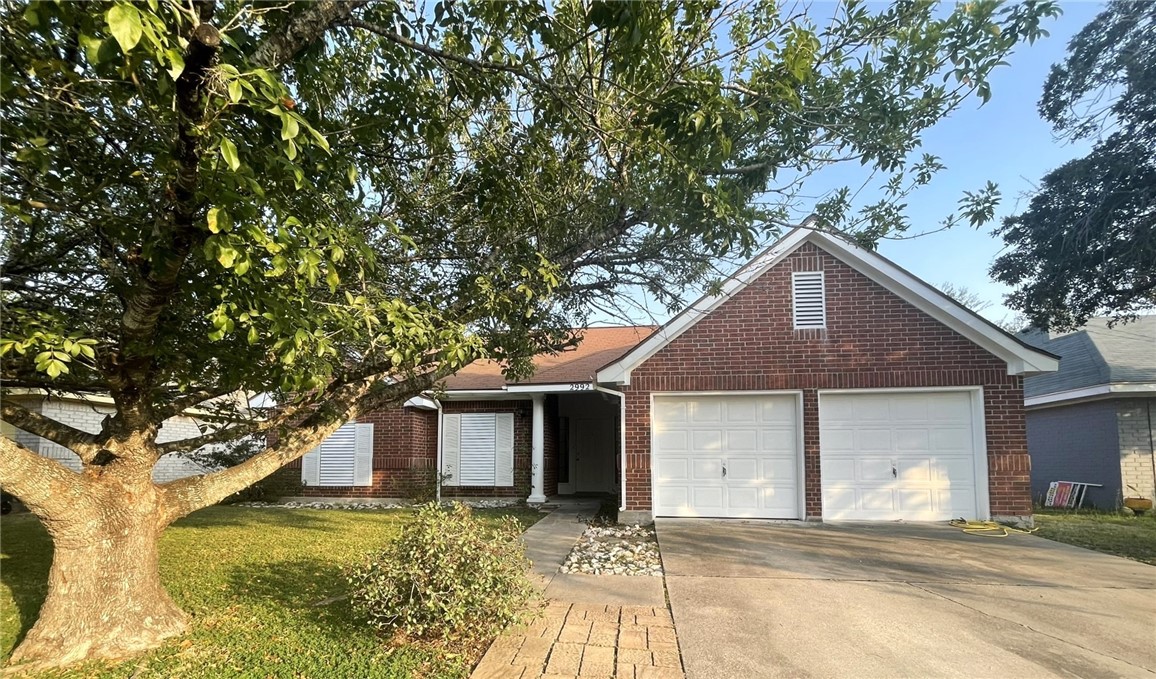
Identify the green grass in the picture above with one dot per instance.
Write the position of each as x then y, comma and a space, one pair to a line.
251, 579
1133, 537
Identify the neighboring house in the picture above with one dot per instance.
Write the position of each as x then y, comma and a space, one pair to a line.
823, 382
86, 413
1094, 420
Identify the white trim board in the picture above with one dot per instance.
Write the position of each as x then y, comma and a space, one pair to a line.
1020, 359
1099, 391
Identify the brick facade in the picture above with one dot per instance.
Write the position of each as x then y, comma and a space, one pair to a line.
1136, 421
873, 339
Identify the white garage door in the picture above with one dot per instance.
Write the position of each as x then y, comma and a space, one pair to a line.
726, 456
889, 456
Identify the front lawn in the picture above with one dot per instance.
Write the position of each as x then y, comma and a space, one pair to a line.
259, 585
1133, 537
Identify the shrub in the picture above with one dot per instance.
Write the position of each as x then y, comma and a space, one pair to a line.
448, 577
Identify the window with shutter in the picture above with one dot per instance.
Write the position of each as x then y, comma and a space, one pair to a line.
345, 458
478, 449
808, 299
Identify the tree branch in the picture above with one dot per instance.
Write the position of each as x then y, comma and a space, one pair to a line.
436, 53
192, 493
80, 442
305, 29
44, 485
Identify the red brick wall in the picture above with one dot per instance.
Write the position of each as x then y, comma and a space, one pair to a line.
873, 339
522, 423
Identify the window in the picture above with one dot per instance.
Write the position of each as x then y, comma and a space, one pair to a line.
807, 294
478, 449
343, 459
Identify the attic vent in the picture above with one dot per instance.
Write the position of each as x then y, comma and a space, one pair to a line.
809, 305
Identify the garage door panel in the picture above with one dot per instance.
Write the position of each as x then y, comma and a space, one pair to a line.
741, 469
873, 469
910, 471
706, 411
754, 436
952, 439
779, 411
912, 440
916, 500
949, 408
955, 470
877, 499
706, 441
708, 498
741, 411
672, 469
833, 470
779, 470
671, 412
709, 470
742, 498
917, 463
908, 409
779, 441
676, 440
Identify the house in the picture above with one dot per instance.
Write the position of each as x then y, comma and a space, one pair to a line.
1094, 420
86, 412
821, 382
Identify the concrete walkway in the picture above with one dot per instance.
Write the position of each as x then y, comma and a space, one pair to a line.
593, 625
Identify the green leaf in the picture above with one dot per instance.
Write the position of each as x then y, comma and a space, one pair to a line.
289, 127
176, 63
235, 91
217, 219
229, 153
124, 21
226, 255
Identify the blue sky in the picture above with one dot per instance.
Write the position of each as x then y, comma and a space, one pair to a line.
1004, 141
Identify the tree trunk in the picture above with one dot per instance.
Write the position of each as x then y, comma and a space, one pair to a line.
105, 598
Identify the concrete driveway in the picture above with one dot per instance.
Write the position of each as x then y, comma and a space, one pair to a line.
758, 599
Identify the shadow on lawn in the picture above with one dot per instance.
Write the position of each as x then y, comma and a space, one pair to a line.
309, 587
250, 517
25, 557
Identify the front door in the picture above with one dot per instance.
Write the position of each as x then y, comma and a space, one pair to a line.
594, 455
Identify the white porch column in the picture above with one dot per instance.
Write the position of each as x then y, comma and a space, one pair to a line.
538, 451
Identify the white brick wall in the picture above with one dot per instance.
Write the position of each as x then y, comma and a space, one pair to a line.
88, 417
1137, 427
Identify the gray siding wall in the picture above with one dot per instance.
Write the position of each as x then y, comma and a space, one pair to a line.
1076, 443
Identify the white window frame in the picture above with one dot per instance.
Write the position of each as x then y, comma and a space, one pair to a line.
488, 440
351, 447
809, 276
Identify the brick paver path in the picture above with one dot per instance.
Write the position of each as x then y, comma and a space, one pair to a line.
582, 640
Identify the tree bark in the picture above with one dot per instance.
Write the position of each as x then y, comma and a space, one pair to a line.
105, 598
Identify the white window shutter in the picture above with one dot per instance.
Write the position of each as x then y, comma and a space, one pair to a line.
504, 450
363, 455
451, 449
808, 300
311, 468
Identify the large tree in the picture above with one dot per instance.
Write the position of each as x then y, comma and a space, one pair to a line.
341, 203
1087, 242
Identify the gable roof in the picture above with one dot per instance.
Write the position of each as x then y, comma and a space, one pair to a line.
598, 347
1096, 355
1021, 358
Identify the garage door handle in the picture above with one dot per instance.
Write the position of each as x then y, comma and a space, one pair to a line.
724, 471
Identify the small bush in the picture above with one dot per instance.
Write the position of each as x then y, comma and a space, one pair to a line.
448, 577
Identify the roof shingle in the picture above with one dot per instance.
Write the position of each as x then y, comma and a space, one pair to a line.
598, 347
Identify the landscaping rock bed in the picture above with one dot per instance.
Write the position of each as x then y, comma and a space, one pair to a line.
475, 504
615, 550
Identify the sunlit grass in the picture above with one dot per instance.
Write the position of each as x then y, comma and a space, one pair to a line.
264, 588
1133, 537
